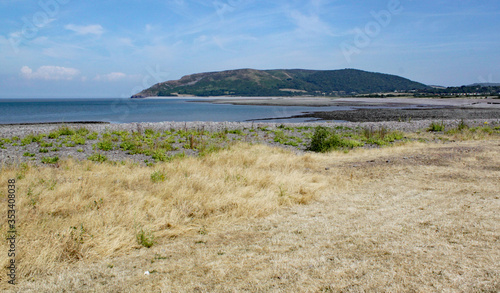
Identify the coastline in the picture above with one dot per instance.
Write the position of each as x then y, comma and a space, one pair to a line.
294, 136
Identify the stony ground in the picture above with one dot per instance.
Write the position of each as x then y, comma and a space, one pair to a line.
153, 142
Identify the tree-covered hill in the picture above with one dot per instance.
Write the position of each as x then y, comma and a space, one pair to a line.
282, 82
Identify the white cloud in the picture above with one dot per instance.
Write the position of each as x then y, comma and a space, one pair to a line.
113, 76
94, 29
308, 24
50, 73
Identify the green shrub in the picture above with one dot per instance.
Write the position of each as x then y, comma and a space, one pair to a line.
44, 144
54, 134
66, 131
279, 137
50, 160
28, 154
462, 125
145, 238
319, 140
82, 131
77, 139
157, 176
43, 150
436, 127
92, 136
235, 131
29, 139
97, 157
159, 155
127, 145
149, 132
105, 145
325, 140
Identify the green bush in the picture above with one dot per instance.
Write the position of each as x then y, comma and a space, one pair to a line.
50, 160
436, 127
157, 176
28, 154
159, 155
96, 157
145, 238
43, 150
105, 145
92, 136
44, 144
127, 145
82, 131
31, 138
54, 134
77, 139
462, 125
325, 140
66, 131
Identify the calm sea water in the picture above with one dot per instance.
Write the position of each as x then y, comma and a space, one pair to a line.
140, 110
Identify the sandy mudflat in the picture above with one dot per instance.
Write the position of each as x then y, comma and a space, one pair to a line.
384, 102
378, 115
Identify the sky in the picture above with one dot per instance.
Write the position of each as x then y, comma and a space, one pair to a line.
70, 48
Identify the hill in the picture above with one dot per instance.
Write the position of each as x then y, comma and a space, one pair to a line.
282, 82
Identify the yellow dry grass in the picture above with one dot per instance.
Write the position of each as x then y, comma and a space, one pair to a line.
419, 217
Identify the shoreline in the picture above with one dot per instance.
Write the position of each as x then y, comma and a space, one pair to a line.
292, 136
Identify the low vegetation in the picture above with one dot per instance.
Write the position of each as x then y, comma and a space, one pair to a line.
201, 223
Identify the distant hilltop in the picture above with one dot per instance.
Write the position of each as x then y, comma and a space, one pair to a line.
282, 82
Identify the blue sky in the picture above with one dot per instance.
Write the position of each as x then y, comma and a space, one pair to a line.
70, 48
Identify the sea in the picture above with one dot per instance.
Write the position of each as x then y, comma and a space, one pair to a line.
120, 110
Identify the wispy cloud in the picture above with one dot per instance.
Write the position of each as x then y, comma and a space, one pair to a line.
50, 73
113, 76
93, 29
311, 23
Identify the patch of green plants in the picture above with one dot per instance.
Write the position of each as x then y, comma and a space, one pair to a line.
54, 149
176, 156
28, 154
145, 238
82, 131
105, 145
43, 150
66, 131
92, 136
78, 139
97, 157
380, 136
54, 134
45, 144
280, 137
235, 131
5, 140
283, 127
436, 127
159, 155
128, 145
50, 160
31, 138
325, 140
158, 176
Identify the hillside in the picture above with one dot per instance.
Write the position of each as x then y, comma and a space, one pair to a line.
281, 82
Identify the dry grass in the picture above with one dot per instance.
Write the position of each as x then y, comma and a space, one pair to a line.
417, 217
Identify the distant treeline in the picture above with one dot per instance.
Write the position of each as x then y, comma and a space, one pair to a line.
462, 90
